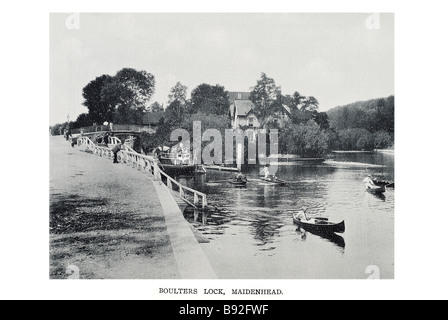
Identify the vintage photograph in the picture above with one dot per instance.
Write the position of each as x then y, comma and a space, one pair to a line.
222, 146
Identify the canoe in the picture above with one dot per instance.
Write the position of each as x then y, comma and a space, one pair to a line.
376, 189
319, 225
384, 183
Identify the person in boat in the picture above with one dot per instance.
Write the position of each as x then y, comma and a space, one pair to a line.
267, 173
302, 216
239, 177
368, 183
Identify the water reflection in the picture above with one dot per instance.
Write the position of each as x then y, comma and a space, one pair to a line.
334, 238
254, 224
380, 196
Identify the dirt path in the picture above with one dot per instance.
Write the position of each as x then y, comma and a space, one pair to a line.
105, 220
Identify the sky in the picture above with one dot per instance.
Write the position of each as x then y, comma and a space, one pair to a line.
334, 57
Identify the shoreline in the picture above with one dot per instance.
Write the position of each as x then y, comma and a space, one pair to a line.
110, 221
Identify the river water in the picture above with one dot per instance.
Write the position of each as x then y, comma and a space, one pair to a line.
252, 234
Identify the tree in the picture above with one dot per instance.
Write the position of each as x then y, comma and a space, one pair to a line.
382, 140
321, 119
306, 139
266, 96
309, 104
160, 138
175, 113
156, 107
129, 93
209, 99
83, 120
356, 139
99, 110
178, 93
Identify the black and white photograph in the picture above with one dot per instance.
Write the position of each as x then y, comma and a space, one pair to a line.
222, 146
219, 159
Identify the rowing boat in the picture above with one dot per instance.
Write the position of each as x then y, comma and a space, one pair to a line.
376, 189
237, 183
381, 183
318, 225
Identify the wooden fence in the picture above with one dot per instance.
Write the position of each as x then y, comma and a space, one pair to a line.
147, 164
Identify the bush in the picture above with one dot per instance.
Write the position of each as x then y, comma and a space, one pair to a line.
382, 140
307, 140
356, 139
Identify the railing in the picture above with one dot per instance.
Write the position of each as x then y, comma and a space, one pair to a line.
148, 164
115, 127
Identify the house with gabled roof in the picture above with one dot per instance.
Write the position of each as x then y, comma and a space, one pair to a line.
241, 111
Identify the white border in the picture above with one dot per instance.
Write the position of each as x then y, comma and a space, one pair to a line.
421, 67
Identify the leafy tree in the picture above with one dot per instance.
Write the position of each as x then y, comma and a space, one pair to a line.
309, 104
209, 99
156, 107
365, 142
356, 139
58, 129
322, 120
175, 113
178, 93
129, 93
99, 110
83, 120
382, 140
306, 139
160, 138
266, 96
208, 121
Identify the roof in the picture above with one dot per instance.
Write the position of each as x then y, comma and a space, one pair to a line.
243, 107
153, 117
238, 96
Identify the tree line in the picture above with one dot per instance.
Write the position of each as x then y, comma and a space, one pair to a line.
365, 125
303, 129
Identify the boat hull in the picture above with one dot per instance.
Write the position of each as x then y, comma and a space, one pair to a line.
382, 183
320, 226
238, 183
378, 190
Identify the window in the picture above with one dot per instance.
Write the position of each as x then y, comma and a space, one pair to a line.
251, 121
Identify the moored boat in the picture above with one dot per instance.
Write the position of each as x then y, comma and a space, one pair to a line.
175, 161
317, 225
237, 183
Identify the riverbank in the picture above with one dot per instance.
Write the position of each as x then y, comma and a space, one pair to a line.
107, 221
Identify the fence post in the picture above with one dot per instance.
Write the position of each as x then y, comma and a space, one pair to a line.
204, 201
196, 199
156, 172
182, 192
